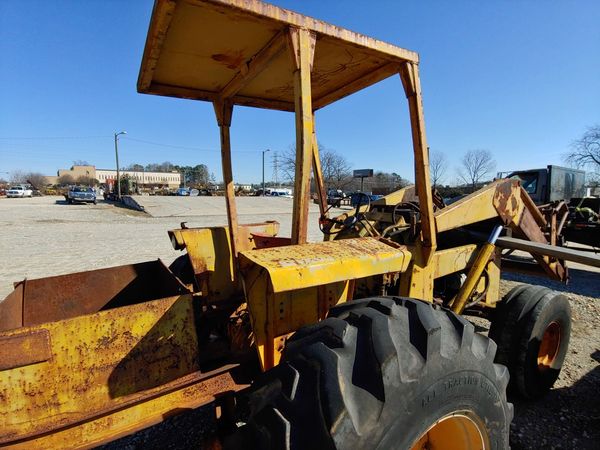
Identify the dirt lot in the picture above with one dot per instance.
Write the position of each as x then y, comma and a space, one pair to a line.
44, 236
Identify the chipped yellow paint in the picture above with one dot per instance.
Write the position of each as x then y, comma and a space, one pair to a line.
297, 267
288, 287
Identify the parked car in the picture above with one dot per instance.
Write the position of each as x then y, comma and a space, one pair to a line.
81, 194
183, 191
363, 198
19, 191
335, 197
287, 193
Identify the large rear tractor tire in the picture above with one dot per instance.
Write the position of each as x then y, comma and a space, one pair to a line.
387, 373
531, 327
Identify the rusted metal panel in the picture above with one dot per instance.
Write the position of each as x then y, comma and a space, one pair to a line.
25, 348
64, 296
527, 227
236, 45
532, 208
186, 393
262, 240
11, 308
506, 201
99, 363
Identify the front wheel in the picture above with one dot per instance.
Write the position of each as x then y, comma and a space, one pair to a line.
532, 327
382, 373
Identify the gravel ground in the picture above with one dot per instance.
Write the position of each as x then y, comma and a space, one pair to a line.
44, 236
569, 416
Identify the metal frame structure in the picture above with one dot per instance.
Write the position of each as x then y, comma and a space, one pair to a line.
299, 35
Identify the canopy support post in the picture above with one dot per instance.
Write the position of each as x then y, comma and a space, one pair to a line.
409, 74
318, 173
301, 43
223, 111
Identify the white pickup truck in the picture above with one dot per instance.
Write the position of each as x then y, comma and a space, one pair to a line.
19, 191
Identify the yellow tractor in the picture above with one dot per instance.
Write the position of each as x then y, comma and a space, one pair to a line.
354, 342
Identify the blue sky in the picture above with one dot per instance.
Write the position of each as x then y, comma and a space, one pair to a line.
520, 78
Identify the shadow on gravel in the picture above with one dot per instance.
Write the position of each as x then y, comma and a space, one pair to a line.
189, 429
64, 202
581, 282
550, 423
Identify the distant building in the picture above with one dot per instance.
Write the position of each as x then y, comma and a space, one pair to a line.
78, 171
172, 180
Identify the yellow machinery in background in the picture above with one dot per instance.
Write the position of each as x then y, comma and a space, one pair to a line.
352, 342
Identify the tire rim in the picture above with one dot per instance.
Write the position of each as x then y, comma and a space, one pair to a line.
549, 346
457, 431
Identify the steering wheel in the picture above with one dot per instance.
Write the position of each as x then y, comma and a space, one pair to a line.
403, 205
348, 222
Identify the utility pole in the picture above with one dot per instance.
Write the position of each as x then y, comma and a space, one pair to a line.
117, 158
263, 170
276, 168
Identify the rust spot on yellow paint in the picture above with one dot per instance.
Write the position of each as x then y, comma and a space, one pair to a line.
231, 60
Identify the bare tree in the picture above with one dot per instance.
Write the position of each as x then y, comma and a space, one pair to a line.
383, 183
85, 180
166, 166
18, 176
335, 167
65, 180
287, 163
585, 151
437, 165
476, 165
81, 162
135, 167
37, 180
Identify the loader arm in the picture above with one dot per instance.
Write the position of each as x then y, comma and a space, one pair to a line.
507, 200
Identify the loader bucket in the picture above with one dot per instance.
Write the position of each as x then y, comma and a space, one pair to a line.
91, 356
61, 297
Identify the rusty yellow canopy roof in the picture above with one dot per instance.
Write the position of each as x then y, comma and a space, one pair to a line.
236, 49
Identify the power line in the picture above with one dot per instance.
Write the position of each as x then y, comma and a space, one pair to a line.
19, 138
184, 147
143, 141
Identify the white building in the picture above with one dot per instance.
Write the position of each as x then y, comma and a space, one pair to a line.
143, 178
172, 180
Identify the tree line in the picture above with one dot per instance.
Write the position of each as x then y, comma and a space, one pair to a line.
338, 175
198, 175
